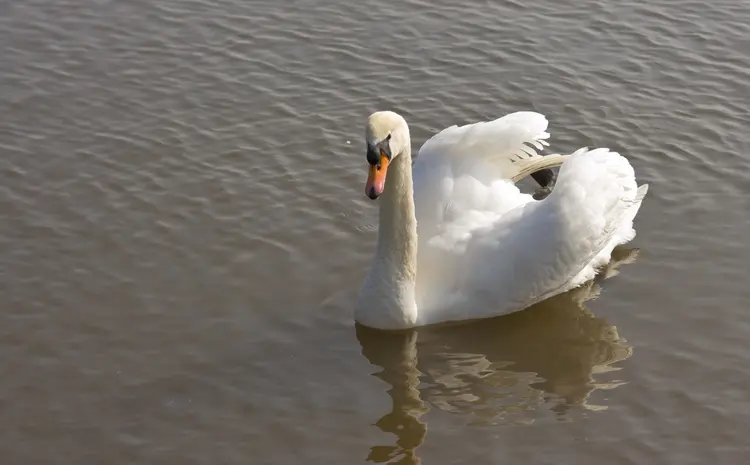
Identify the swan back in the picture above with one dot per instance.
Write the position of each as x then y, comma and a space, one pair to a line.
540, 248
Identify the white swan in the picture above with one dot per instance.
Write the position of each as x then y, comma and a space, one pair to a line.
457, 240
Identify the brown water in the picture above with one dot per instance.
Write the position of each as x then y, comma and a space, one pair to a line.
184, 230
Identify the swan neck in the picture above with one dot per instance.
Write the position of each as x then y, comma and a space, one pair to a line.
387, 299
397, 232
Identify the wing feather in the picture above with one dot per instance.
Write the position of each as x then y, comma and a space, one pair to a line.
459, 165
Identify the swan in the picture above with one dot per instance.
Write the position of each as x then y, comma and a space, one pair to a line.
457, 240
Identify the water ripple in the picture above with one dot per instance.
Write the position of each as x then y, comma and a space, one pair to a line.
181, 189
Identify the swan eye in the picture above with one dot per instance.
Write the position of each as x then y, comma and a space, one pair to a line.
379, 150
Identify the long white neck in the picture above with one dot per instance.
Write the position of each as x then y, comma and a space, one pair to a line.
387, 297
397, 230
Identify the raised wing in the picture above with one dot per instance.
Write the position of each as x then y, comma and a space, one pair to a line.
501, 143
455, 169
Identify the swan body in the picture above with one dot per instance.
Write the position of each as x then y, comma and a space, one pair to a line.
457, 240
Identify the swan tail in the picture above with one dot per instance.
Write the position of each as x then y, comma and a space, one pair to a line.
598, 196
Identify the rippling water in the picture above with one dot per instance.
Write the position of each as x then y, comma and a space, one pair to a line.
183, 231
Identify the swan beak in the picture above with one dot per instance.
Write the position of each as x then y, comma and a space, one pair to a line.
376, 178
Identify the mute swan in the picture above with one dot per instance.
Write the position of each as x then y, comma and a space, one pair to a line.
457, 240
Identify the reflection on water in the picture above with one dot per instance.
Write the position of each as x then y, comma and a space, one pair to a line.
507, 370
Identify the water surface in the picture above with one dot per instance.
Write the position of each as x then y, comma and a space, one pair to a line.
184, 229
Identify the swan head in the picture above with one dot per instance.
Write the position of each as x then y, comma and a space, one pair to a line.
387, 137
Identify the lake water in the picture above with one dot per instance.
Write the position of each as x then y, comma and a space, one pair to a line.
183, 231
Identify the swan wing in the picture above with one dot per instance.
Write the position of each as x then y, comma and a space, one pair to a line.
539, 248
501, 143
454, 171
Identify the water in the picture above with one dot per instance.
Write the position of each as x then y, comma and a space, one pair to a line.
184, 230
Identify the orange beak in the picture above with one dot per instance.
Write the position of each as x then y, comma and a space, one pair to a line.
376, 178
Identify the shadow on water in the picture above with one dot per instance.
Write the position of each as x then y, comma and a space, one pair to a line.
507, 370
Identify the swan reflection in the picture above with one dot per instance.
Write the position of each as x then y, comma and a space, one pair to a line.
513, 369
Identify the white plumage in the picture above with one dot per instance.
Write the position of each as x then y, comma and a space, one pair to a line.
457, 239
